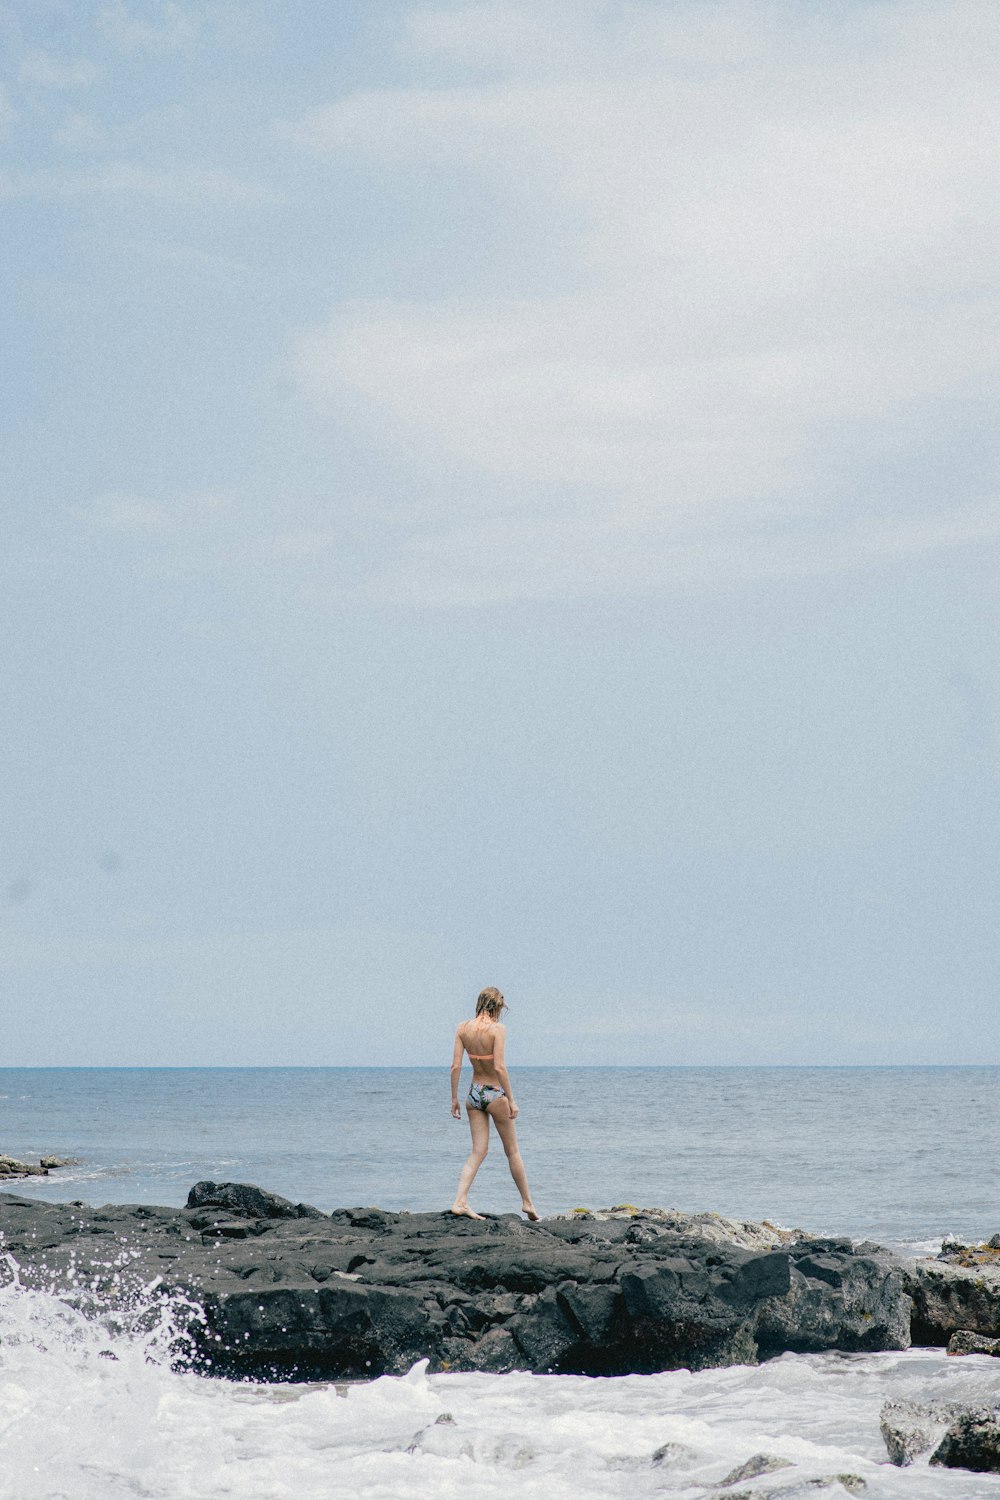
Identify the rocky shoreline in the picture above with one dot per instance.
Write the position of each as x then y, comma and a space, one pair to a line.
273, 1290
285, 1291
288, 1291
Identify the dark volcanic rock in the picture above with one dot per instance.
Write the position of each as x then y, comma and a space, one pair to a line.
949, 1297
910, 1428
297, 1331
956, 1292
973, 1442
838, 1298
280, 1289
245, 1201
965, 1342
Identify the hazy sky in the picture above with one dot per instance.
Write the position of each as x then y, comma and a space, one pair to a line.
499, 493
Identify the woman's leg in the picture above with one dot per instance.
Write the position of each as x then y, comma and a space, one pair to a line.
507, 1130
480, 1127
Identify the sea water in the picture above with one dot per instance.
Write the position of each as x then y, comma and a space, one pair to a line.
903, 1155
93, 1410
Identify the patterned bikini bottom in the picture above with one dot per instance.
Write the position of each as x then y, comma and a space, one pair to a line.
481, 1095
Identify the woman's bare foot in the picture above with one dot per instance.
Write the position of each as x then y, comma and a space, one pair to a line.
528, 1209
463, 1211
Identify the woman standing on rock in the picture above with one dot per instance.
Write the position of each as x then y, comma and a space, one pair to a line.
490, 1096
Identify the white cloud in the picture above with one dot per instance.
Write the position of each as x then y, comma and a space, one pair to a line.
178, 518
240, 536
535, 37
777, 231
407, 125
57, 73
586, 391
163, 27
172, 185
79, 132
504, 558
489, 36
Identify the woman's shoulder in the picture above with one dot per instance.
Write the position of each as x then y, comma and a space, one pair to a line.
476, 1026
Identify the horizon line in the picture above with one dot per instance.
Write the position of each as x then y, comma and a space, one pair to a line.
520, 1067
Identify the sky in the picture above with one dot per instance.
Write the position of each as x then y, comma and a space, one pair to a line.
499, 493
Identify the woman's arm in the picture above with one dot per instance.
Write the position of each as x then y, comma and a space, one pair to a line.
456, 1073
501, 1067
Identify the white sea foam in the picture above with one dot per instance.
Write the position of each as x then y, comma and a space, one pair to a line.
918, 1249
92, 1410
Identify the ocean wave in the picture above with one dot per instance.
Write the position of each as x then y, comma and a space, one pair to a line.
95, 1402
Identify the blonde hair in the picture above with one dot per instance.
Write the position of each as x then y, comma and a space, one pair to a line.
490, 1003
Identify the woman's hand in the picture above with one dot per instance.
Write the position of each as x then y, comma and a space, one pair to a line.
514, 1111
456, 1110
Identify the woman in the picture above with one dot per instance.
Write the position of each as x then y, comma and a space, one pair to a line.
490, 1096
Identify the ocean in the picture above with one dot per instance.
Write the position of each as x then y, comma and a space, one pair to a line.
902, 1155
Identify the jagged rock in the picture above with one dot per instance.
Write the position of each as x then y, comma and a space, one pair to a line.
244, 1200
965, 1342
838, 1298
10, 1168
986, 1254
950, 1297
705, 1226
673, 1453
292, 1333
674, 1312
591, 1310
910, 1428
957, 1292
544, 1334
495, 1353
280, 1289
760, 1463
972, 1442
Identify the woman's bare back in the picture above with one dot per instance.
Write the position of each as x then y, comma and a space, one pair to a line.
479, 1041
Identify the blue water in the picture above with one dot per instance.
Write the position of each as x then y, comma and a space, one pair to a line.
903, 1155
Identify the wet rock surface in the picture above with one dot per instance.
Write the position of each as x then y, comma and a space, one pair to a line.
971, 1442
911, 1428
965, 1342
281, 1290
10, 1169
755, 1466
955, 1436
958, 1291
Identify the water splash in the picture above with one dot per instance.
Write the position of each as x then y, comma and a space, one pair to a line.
95, 1404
